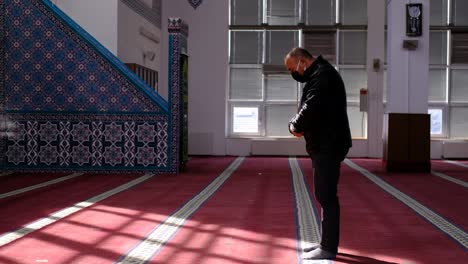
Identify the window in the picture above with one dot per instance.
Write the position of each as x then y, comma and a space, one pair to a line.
246, 47
245, 120
460, 47
437, 85
353, 47
277, 118
353, 12
262, 96
321, 43
438, 66
246, 84
460, 12
436, 121
458, 122
320, 12
439, 14
355, 79
282, 12
459, 92
448, 96
246, 12
279, 43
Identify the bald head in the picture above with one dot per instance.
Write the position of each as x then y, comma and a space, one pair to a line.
296, 57
299, 53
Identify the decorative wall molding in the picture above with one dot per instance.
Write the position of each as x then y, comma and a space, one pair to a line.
2, 58
3, 120
195, 3
153, 15
149, 35
88, 142
177, 25
178, 32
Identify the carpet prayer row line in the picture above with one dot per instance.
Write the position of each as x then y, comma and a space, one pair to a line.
227, 210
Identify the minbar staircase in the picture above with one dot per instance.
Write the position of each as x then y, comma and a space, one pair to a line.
67, 103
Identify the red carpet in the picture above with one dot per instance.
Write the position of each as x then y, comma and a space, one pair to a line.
451, 170
377, 228
101, 233
440, 195
19, 210
21, 180
249, 220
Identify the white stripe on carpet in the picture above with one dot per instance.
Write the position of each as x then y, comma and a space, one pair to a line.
309, 229
54, 217
40, 185
157, 238
6, 173
448, 178
456, 163
445, 226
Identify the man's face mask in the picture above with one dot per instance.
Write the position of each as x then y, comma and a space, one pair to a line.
297, 76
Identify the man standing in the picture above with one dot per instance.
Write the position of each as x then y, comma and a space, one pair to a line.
323, 121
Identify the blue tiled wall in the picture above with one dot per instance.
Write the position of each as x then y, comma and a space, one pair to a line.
71, 104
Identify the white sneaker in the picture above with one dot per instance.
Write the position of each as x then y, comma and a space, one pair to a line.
318, 253
311, 247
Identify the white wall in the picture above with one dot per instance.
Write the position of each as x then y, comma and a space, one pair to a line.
208, 69
131, 44
99, 18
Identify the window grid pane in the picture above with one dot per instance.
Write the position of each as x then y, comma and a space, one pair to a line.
280, 88
246, 12
353, 12
279, 43
353, 47
277, 119
320, 12
357, 122
437, 118
246, 83
321, 43
438, 48
438, 12
459, 85
460, 10
459, 122
283, 12
437, 85
246, 47
459, 48
354, 80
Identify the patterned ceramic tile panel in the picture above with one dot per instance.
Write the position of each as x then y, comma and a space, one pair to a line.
105, 142
178, 32
195, 3
50, 68
2, 87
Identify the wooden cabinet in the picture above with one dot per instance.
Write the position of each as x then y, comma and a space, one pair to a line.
407, 142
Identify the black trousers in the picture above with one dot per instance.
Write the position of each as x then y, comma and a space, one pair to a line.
326, 175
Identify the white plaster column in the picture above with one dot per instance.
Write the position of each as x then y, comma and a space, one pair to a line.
407, 70
375, 51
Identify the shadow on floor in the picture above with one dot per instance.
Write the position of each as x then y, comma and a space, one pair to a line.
354, 259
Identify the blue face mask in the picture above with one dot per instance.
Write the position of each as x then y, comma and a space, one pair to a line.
297, 76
